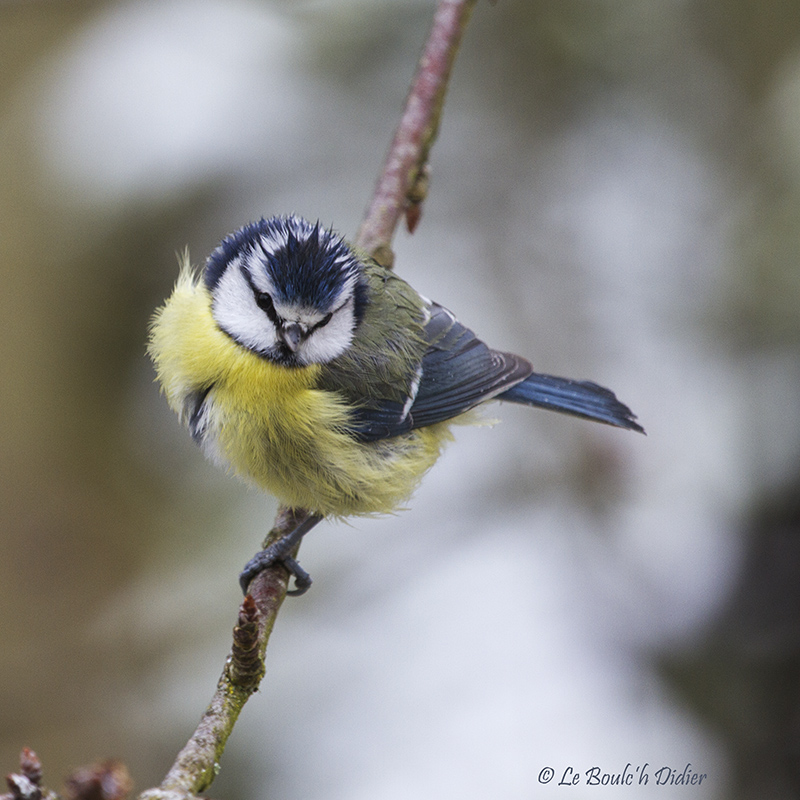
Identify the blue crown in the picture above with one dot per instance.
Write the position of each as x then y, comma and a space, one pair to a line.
307, 264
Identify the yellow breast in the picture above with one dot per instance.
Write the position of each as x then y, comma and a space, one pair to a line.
271, 425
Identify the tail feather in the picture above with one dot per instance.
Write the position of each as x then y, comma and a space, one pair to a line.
580, 398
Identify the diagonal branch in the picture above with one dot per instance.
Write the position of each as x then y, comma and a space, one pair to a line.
403, 183
400, 191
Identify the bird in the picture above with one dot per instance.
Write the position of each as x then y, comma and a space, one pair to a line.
307, 368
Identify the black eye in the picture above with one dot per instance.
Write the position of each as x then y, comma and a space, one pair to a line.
324, 321
264, 302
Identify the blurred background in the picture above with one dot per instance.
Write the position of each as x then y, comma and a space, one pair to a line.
616, 195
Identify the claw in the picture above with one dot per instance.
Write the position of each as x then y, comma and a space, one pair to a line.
280, 552
302, 580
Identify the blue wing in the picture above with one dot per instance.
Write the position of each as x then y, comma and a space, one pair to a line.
457, 372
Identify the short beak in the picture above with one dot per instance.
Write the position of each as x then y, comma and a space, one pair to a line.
292, 334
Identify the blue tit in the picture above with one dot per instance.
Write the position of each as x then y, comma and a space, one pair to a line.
315, 373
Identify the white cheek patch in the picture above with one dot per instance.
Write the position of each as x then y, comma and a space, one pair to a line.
235, 311
326, 343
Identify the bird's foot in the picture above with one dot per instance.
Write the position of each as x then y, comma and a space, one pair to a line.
280, 552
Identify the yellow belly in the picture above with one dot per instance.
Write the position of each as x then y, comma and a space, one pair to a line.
272, 427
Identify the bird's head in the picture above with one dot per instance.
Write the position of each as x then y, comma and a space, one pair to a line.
290, 291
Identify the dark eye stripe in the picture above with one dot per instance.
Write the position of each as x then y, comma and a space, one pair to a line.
329, 316
264, 302
263, 299
324, 321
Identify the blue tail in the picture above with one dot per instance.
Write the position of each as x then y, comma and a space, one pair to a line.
581, 398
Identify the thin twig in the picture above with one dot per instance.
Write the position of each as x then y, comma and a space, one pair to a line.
198, 762
400, 190
403, 182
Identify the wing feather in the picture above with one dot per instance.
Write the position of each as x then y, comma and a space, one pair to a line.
457, 372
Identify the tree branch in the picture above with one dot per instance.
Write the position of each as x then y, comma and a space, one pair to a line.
400, 190
403, 184
198, 762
